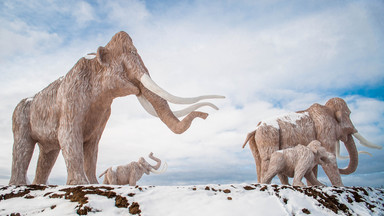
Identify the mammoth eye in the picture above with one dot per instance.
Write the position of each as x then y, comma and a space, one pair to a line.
133, 52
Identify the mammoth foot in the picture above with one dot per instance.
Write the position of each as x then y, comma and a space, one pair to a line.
82, 181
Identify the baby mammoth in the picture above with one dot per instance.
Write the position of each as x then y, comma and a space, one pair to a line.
132, 172
298, 162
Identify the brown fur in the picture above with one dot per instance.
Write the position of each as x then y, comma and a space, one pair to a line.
129, 173
327, 124
71, 113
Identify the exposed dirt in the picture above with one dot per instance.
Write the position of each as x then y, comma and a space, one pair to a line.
305, 211
25, 190
329, 198
134, 208
249, 188
227, 191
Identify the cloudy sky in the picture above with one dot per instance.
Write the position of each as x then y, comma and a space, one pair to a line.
266, 57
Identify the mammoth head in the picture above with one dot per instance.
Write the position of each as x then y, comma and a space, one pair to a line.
125, 73
145, 165
322, 156
342, 114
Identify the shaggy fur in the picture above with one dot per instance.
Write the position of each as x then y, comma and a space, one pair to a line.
327, 124
71, 113
298, 162
129, 173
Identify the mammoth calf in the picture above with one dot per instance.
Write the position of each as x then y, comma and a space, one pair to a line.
132, 172
298, 162
71, 113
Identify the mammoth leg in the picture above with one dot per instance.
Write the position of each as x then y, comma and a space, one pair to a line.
71, 143
283, 179
23, 145
314, 173
300, 171
312, 180
275, 166
267, 142
90, 159
91, 149
132, 180
21, 157
44, 165
106, 177
332, 171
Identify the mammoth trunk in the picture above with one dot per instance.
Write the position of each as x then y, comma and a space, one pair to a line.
157, 166
353, 156
166, 115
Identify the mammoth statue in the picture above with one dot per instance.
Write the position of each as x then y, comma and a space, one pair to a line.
132, 172
71, 113
298, 162
327, 123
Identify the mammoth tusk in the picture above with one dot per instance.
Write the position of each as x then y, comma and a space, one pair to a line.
364, 152
365, 142
338, 151
346, 157
194, 107
149, 108
90, 56
153, 87
162, 170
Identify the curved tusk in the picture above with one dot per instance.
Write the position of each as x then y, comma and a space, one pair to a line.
364, 152
162, 170
338, 151
153, 87
346, 157
365, 142
147, 106
90, 56
192, 108
180, 113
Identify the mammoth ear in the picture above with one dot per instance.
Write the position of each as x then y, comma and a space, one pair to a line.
101, 56
338, 116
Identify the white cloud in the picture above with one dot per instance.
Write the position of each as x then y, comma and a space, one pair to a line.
264, 69
83, 12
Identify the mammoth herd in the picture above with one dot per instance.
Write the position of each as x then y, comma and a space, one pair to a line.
70, 115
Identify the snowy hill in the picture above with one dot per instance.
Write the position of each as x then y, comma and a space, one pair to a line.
239, 199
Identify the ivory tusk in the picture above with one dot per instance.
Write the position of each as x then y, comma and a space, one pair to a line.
153, 87
147, 106
162, 170
90, 56
346, 157
180, 113
365, 142
338, 151
364, 152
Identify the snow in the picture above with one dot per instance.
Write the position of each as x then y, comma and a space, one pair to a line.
238, 199
114, 168
90, 56
290, 118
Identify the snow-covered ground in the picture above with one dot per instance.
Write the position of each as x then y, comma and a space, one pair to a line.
239, 199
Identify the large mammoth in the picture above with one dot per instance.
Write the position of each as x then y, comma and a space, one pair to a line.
132, 172
327, 123
71, 113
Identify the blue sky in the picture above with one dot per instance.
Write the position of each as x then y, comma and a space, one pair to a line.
266, 57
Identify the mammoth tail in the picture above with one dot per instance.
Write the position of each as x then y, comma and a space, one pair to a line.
251, 135
103, 173
255, 152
